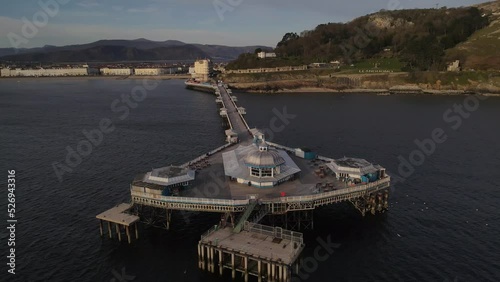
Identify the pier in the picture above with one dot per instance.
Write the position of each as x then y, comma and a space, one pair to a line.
250, 181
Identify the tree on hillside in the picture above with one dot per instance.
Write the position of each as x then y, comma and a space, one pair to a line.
287, 37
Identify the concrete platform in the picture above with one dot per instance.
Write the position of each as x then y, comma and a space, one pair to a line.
262, 246
117, 215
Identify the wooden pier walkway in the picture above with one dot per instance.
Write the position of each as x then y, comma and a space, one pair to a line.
236, 120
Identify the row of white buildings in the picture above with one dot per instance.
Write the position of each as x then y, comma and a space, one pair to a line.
81, 71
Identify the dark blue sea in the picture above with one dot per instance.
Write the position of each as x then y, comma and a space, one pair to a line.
443, 223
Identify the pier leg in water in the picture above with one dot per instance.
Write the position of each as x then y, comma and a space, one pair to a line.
259, 270
199, 255
221, 262
109, 230
100, 227
202, 257
118, 231
169, 218
136, 231
233, 266
246, 268
128, 234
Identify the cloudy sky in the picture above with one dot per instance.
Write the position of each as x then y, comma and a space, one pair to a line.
227, 22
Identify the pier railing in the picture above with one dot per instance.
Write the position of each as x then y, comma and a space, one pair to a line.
276, 232
284, 203
209, 153
288, 149
346, 191
241, 116
188, 203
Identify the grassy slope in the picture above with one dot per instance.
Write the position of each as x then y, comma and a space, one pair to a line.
481, 50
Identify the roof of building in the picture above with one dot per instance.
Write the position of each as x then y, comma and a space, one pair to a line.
169, 175
234, 164
268, 158
351, 165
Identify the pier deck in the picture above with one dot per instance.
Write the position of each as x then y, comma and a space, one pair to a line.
269, 253
237, 123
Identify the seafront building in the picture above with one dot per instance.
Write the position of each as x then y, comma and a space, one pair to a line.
77, 71
261, 70
148, 71
202, 70
263, 55
116, 71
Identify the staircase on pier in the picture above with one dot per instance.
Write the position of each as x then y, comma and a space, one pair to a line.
246, 214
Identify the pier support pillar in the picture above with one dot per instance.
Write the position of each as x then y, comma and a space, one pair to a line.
169, 218
199, 255
100, 227
202, 257
136, 231
280, 273
118, 231
268, 271
128, 233
285, 273
272, 271
259, 270
233, 267
212, 260
221, 262
109, 230
246, 268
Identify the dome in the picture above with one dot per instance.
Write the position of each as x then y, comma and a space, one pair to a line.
264, 158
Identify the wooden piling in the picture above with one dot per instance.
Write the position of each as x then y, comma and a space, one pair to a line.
233, 267
118, 231
109, 230
100, 227
128, 234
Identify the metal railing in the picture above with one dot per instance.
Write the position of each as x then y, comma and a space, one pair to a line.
380, 184
319, 196
276, 232
189, 200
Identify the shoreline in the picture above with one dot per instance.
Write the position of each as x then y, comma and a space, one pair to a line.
116, 77
378, 92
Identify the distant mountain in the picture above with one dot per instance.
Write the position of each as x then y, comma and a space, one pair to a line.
125, 50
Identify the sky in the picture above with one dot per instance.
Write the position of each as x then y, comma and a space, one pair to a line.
26, 24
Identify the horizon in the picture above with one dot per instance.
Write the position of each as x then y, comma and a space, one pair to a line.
218, 22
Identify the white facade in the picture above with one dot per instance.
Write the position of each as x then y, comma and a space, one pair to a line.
45, 72
202, 69
264, 55
109, 71
148, 71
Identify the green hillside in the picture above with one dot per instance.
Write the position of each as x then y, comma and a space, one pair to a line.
410, 40
482, 50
